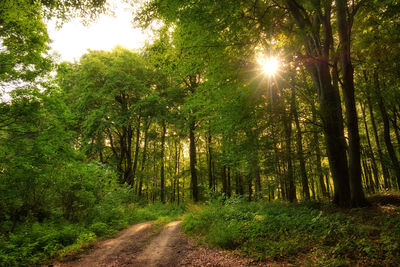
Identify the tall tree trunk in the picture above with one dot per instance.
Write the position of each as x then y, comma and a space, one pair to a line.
144, 155
137, 147
329, 98
123, 153
287, 124
318, 153
129, 164
371, 151
300, 155
328, 185
192, 155
395, 126
250, 187
386, 129
209, 165
229, 189
162, 172
357, 194
385, 171
224, 182
177, 155
239, 184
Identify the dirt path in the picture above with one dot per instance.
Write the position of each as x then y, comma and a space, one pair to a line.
139, 246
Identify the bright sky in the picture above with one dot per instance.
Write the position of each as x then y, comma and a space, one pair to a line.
73, 39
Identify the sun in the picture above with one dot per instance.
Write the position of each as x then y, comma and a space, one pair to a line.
269, 65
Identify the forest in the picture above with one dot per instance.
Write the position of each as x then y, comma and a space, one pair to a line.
269, 127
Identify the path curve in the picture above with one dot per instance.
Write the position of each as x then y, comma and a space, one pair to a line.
117, 251
140, 246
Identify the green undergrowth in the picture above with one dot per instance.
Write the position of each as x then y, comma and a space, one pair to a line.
304, 234
34, 243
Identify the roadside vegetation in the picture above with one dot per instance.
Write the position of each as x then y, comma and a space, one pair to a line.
34, 242
302, 234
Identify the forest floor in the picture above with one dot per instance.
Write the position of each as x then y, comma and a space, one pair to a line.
145, 245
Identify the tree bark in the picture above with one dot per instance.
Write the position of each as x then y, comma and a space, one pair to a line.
329, 98
357, 194
385, 171
300, 155
287, 124
229, 193
386, 129
192, 156
371, 151
318, 154
144, 155
162, 172
224, 181
209, 165
137, 148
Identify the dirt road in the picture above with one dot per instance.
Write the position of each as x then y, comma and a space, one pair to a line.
140, 246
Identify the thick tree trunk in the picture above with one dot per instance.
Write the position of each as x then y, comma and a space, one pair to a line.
357, 194
386, 129
329, 99
192, 155
331, 115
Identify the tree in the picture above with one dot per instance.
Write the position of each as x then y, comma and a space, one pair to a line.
23, 33
108, 91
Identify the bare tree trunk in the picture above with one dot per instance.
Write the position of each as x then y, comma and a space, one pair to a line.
162, 172
357, 194
385, 171
300, 155
209, 166
229, 193
224, 182
386, 129
371, 151
177, 156
329, 98
137, 147
144, 155
318, 154
287, 124
395, 126
192, 155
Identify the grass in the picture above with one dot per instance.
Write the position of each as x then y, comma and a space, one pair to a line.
304, 234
